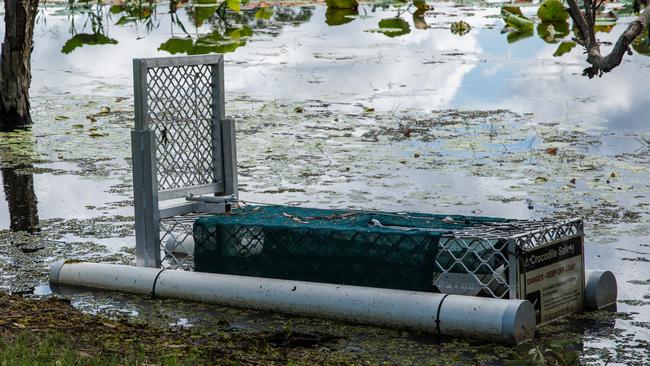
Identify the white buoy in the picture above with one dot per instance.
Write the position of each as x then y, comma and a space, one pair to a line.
511, 321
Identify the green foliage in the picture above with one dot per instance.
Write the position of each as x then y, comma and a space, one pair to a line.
340, 16
511, 9
79, 40
519, 23
202, 10
394, 27
516, 20
517, 36
553, 32
59, 349
214, 42
552, 11
234, 5
560, 352
557, 352
342, 4
564, 47
133, 12
264, 13
520, 26
177, 45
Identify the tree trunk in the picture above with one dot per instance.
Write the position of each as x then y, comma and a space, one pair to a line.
15, 69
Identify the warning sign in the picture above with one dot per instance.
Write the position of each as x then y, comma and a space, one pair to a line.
552, 279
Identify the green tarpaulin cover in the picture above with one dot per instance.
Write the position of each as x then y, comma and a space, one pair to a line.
377, 249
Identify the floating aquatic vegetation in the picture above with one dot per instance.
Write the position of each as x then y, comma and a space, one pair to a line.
460, 27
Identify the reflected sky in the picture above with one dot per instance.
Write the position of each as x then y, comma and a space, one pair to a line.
426, 69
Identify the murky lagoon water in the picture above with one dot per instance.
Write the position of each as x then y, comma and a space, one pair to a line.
345, 116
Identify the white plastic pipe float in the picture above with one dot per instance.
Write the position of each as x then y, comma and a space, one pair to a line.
600, 289
511, 321
180, 244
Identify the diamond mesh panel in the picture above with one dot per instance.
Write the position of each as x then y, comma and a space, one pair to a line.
481, 251
486, 260
180, 113
177, 242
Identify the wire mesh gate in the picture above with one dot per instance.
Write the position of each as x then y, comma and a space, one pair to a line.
183, 149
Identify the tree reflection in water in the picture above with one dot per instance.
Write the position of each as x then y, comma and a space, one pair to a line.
21, 198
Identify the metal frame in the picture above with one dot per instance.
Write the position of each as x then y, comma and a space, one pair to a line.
179, 121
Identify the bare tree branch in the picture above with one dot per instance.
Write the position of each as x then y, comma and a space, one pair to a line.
578, 19
586, 26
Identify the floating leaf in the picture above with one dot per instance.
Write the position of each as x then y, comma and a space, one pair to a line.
563, 48
342, 4
551, 150
460, 28
61, 118
552, 11
335, 17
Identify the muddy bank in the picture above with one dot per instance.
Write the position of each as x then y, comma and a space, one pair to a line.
59, 331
